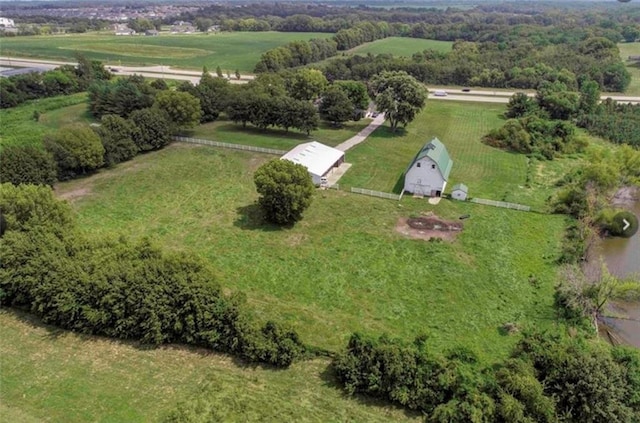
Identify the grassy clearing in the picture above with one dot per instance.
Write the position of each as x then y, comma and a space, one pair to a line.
17, 126
626, 50
229, 50
402, 46
344, 268
56, 376
226, 131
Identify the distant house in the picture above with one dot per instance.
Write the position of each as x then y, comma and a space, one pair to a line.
123, 29
460, 192
429, 171
319, 159
7, 23
151, 32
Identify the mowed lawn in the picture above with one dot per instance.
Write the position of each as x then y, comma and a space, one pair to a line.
344, 267
227, 131
402, 46
489, 173
49, 375
626, 50
229, 50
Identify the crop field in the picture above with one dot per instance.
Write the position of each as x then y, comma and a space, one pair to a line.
626, 50
229, 50
402, 46
49, 375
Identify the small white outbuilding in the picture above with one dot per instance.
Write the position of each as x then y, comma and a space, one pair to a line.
460, 192
319, 159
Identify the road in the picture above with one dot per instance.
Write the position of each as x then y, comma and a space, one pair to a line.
167, 72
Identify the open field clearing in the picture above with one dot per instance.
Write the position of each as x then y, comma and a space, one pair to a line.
343, 268
229, 50
402, 46
226, 131
626, 50
49, 375
18, 127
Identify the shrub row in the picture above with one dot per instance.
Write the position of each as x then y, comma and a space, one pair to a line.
123, 289
547, 379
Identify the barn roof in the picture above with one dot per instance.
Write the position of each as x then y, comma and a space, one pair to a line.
436, 151
461, 187
317, 158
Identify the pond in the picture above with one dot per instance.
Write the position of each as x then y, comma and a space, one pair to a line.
622, 257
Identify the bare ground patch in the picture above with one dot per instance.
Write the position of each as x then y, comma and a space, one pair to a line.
427, 227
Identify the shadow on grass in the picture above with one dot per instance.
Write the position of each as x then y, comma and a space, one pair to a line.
251, 217
330, 379
385, 132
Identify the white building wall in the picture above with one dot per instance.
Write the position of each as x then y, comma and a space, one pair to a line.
6, 22
423, 178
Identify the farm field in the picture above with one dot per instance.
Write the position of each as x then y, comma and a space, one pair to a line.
343, 268
49, 375
402, 46
229, 50
626, 50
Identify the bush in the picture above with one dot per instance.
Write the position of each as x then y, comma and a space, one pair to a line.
153, 129
76, 149
116, 135
123, 289
27, 165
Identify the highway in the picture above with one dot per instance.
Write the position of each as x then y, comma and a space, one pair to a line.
167, 72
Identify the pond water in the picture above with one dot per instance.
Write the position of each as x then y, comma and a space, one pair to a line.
622, 256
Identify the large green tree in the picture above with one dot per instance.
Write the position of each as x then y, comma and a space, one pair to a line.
306, 84
27, 165
77, 150
117, 135
336, 106
285, 189
399, 95
182, 108
153, 129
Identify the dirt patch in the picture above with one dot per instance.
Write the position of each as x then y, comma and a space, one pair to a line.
626, 196
427, 227
74, 194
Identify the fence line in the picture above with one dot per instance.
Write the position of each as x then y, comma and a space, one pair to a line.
232, 146
375, 193
501, 204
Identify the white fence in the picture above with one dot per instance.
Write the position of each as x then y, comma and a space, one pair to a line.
500, 204
232, 146
375, 193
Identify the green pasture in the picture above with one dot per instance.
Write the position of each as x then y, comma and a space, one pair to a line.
49, 375
344, 268
229, 50
18, 126
626, 50
402, 46
227, 131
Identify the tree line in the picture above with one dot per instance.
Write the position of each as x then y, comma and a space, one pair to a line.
519, 65
121, 288
64, 80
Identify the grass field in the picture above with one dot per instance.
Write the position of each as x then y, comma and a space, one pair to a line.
401, 46
626, 50
343, 268
50, 375
227, 131
229, 50
18, 127
488, 172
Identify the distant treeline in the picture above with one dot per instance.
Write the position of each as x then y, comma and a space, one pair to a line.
518, 64
63, 80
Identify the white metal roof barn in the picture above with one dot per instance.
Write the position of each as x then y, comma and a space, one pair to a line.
319, 159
